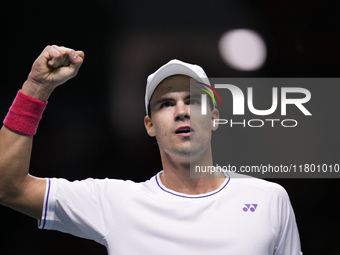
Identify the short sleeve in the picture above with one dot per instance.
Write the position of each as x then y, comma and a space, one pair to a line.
86, 209
288, 241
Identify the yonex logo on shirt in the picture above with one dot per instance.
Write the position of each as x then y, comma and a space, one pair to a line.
251, 207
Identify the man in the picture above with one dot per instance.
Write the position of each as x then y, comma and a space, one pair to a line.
169, 214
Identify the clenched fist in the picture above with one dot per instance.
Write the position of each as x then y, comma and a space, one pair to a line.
53, 67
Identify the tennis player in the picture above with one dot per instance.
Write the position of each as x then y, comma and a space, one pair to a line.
171, 213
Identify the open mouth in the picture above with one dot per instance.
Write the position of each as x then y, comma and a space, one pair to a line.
184, 130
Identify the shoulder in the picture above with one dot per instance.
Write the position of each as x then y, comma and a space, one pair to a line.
92, 183
252, 184
107, 193
94, 187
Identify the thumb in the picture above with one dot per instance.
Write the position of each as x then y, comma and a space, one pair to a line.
76, 56
76, 59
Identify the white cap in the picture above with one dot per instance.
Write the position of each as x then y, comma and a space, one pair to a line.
173, 67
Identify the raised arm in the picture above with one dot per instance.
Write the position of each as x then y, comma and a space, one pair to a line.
18, 189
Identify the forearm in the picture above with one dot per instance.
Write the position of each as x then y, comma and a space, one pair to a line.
15, 154
16, 147
16, 137
18, 189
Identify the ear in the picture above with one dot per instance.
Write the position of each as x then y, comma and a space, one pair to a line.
149, 126
215, 114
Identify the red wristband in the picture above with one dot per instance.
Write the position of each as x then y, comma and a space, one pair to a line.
24, 115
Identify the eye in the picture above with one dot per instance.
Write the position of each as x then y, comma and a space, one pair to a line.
166, 104
193, 101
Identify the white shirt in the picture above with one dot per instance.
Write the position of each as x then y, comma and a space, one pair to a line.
244, 216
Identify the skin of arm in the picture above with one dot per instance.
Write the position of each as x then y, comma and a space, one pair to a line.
18, 189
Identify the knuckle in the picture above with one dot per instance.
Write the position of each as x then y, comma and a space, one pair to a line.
48, 48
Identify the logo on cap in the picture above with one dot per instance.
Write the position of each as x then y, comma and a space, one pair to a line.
204, 97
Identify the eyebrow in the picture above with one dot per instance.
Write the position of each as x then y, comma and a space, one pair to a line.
167, 99
196, 95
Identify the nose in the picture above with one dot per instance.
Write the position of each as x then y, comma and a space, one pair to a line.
182, 111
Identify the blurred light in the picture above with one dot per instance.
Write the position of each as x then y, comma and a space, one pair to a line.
243, 49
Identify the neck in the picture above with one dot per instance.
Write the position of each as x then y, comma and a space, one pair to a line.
176, 174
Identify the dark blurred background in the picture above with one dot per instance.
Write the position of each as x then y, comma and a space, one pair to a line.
93, 125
